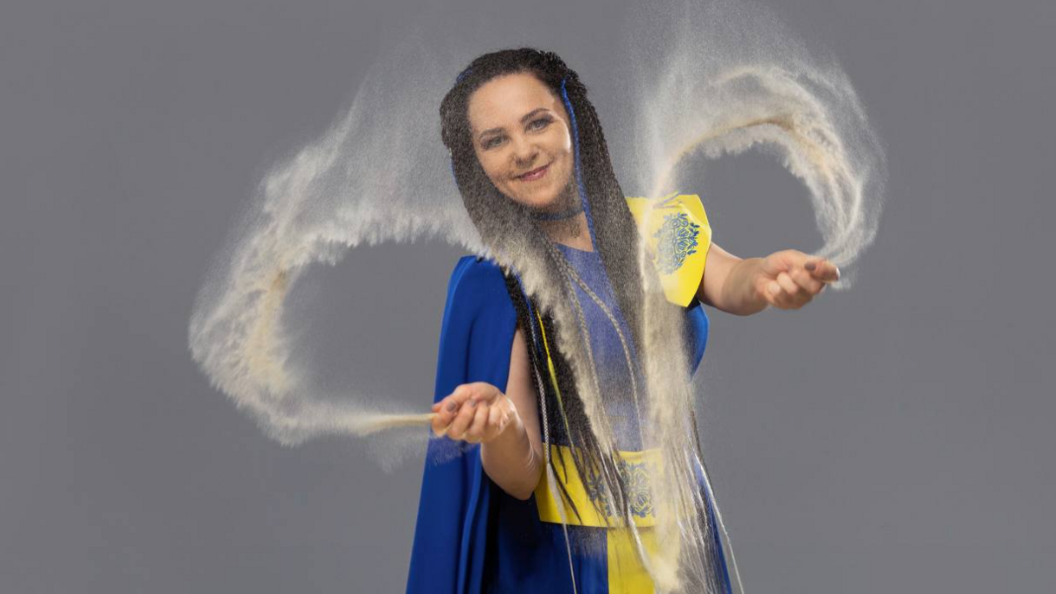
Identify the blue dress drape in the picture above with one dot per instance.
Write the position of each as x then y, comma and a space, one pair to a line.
472, 537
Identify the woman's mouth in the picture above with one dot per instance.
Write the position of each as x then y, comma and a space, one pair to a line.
534, 174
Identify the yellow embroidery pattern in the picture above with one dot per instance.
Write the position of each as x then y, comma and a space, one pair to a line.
636, 468
677, 235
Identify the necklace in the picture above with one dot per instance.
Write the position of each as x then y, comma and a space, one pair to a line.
557, 216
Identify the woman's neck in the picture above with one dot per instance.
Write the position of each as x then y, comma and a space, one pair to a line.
572, 232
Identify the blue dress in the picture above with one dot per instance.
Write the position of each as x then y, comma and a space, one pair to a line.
471, 536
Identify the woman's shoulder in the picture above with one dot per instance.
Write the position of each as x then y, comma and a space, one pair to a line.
477, 269
478, 282
476, 273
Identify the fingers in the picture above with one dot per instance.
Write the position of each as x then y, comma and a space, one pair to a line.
777, 263
439, 427
477, 427
440, 423
790, 279
788, 260
497, 418
806, 282
777, 296
460, 424
823, 270
483, 392
788, 285
466, 414
444, 415
448, 408
792, 291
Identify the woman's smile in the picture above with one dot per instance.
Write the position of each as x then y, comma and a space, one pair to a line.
534, 174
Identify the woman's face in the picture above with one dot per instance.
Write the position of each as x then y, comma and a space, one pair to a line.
522, 138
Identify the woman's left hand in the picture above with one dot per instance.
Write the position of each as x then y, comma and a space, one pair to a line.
475, 413
790, 279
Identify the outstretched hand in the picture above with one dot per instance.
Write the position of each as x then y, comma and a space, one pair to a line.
790, 279
475, 413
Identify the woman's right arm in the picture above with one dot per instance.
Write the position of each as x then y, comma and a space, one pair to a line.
506, 425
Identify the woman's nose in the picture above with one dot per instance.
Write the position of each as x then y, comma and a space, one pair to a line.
524, 151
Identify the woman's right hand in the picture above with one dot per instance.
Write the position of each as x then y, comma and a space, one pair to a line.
475, 413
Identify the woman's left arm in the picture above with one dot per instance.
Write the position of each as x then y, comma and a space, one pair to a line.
788, 279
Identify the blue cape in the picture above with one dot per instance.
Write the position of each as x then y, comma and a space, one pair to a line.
457, 505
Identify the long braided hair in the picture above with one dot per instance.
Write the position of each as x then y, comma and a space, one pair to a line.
508, 229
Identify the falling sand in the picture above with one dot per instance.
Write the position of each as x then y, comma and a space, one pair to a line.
704, 79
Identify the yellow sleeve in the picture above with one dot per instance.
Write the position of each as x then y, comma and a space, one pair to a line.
677, 235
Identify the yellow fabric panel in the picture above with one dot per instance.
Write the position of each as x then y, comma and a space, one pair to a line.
626, 573
636, 468
678, 236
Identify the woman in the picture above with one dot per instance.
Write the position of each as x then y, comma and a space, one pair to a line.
540, 357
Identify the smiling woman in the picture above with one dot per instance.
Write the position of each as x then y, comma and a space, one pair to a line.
562, 377
523, 139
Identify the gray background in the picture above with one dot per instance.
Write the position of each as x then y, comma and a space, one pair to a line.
894, 438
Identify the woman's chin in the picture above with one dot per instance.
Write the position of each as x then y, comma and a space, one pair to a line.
541, 204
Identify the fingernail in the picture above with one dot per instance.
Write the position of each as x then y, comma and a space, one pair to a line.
451, 406
810, 266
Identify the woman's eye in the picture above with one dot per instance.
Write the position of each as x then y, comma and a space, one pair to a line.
493, 141
540, 123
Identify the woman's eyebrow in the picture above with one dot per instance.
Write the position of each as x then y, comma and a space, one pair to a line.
524, 119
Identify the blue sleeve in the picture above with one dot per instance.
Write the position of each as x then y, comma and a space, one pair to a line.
476, 337
697, 325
